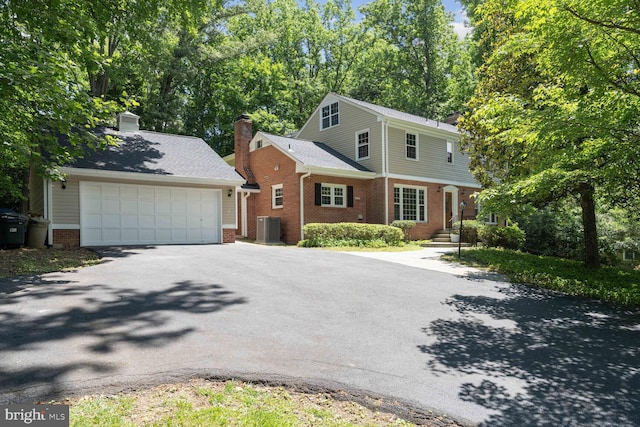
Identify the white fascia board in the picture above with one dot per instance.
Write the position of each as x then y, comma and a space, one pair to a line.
161, 179
340, 173
432, 180
425, 130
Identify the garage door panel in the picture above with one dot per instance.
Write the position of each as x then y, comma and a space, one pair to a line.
146, 221
111, 220
92, 205
130, 235
129, 206
111, 192
111, 234
111, 206
92, 220
146, 207
129, 221
129, 193
147, 235
139, 214
92, 234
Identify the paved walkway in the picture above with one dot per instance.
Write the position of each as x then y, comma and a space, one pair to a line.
426, 258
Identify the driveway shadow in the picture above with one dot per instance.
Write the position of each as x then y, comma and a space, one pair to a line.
54, 312
575, 362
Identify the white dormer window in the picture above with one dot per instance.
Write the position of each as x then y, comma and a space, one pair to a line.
330, 116
449, 152
411, 146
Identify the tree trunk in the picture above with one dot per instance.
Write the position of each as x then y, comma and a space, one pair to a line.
588, 205
26, 178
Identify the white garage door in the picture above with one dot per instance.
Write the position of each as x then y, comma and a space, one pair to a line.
125, 214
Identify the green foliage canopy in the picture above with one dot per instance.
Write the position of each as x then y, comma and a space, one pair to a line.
555, 111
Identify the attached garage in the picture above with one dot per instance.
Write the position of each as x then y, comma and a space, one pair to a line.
126, 214
147, 188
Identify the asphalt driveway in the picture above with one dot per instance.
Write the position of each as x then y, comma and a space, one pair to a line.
460, 342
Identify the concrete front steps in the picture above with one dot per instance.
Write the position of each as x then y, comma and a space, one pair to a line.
442, 239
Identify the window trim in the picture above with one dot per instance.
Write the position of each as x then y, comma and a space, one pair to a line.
450, 156
358, 133
274, 197
329, 116
406, 146
333, 196
424, 205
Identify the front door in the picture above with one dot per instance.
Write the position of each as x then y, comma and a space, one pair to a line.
448, 209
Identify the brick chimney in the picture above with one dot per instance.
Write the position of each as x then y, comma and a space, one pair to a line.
452, 119
242, 134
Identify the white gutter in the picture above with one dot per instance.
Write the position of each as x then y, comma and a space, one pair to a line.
302, 177
157, 178
340, 173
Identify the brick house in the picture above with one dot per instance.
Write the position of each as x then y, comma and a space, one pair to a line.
352, 161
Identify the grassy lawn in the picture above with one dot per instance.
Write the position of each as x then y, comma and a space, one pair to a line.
29, 261
611, 284
207, 403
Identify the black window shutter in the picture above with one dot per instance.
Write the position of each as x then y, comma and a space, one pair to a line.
350, 196
318, 194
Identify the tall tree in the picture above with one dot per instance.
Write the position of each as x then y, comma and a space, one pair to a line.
414, 56
44, 93
555, 112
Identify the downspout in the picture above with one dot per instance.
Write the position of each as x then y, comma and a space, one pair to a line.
385, 168
48, 209
243, 208
306, 175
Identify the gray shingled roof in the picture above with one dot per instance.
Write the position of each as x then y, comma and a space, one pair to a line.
395, 114
159, 154
315, 154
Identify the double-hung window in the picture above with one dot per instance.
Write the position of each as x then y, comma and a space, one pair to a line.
330, 116
411, 144
277, 196
334, 195
362, 145
409, 203
449, 152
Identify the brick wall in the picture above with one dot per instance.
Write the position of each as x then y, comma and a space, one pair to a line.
326, 214
228, 235
271, 167
66, 238
376, 205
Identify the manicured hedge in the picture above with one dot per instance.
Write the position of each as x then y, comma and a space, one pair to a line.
405, 226
351, 234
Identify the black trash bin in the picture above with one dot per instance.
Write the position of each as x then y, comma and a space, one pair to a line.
13, 227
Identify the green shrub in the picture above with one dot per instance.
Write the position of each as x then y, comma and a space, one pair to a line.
510, 237
351, 234
405, 226
470, 229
